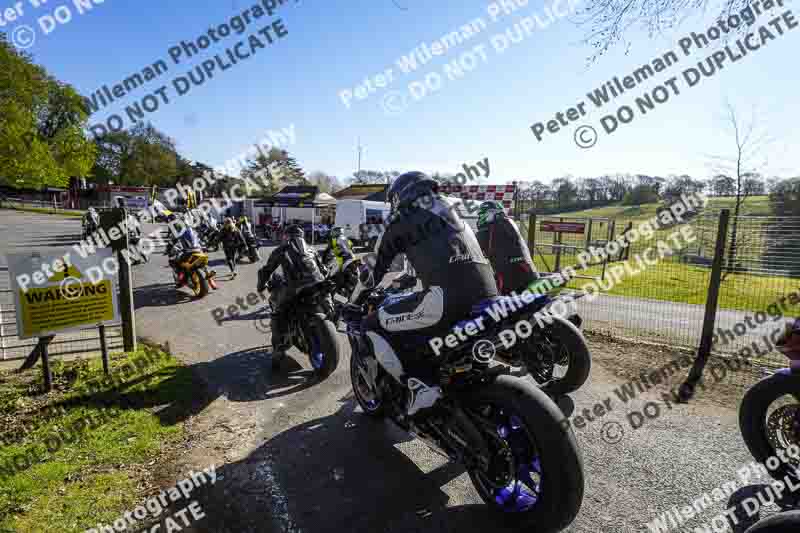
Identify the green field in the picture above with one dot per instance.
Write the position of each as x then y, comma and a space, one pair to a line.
750, 287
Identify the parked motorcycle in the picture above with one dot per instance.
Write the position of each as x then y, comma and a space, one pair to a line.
210, 238
786, 522
769, 415
192, 272
506, 432
555, 354
90, 223
309, 324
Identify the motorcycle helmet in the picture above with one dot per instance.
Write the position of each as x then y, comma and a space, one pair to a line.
336, 233
409, 187
488, 211
789, 342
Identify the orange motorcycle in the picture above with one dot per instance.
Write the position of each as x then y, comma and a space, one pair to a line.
191, 271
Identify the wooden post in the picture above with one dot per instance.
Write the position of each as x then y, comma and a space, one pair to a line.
48, 376
103, 347
704, 350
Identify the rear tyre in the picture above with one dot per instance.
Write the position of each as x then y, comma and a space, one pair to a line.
323, 343
535, 480
570, 349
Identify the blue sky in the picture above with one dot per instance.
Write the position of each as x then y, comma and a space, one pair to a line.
333, 46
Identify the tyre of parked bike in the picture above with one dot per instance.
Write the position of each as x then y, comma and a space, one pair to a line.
558, 357
769, 420
788, 522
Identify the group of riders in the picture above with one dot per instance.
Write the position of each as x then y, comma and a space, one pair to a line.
456, 268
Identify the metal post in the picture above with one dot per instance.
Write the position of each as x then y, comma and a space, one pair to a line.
103, 347
532, 230
709, 320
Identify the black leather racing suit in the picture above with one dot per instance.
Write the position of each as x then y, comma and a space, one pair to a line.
301, 266
451, 267
509, 254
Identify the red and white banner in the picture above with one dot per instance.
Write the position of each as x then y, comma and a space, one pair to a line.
502, 193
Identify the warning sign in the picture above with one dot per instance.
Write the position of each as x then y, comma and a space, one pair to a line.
67, 300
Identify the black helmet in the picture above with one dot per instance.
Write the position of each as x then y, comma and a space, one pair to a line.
410, 186
294, 231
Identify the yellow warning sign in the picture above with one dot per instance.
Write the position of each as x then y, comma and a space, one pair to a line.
68, 300
54, 308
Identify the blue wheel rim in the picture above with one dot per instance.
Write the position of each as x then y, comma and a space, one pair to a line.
317, 357
524, 491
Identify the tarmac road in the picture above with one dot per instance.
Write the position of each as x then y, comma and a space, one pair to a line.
324, 467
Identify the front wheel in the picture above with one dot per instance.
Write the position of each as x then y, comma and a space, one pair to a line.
324, 349
559, 358
769, 419
534, 476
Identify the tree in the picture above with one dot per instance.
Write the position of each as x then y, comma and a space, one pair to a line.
722, 185
42, 139
641, 194
783, 233
565, 191
276, 169
682, 185
747, 157
142, 156
608, 21
326, 182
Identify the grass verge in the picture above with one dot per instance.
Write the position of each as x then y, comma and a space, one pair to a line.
46, 211
80, 455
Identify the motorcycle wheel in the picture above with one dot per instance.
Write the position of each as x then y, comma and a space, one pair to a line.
535, 477
199, 284
567, 347
786, 522
766, 432
370, 401
324, 349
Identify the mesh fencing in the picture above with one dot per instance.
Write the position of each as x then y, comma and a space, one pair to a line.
665, 302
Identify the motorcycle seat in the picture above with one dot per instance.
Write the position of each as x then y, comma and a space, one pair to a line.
505, 302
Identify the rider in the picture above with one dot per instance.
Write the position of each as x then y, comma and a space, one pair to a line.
301, 266
231, 240
455, 275
501, 241
189, 243
339, 248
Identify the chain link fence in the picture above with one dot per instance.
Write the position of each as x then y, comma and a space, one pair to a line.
665, 302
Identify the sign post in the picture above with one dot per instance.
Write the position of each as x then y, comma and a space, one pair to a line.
57, 291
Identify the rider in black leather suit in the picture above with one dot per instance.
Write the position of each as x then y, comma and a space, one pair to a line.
301, 266
445, 254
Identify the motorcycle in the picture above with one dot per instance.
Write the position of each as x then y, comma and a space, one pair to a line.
507, 433
555, 354
192, 272
90, 223
210, 238
309, 327
769, 415
249, 246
